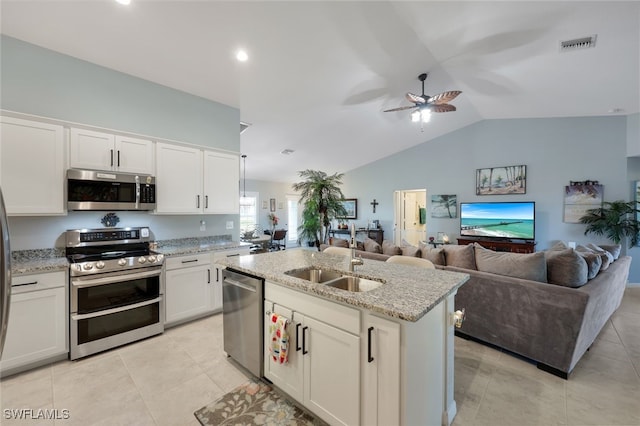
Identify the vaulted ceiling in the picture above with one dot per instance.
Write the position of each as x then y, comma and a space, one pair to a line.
320, 74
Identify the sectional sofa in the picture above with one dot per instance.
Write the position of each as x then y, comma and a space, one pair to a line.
547, 306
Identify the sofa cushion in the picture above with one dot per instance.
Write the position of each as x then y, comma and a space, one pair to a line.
459, 256
594, 262
390, 249
409, 250
339, 242
607, 257
566, 268
614, 249
531, 266
372, 246
435, 255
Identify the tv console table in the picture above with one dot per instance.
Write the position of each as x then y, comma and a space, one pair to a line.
374, 234
523, 247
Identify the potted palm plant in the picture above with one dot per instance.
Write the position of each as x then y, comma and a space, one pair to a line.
321, 196
615, 220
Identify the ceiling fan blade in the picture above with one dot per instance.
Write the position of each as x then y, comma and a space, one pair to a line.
415, 98
443, 97
442, 108
399, 108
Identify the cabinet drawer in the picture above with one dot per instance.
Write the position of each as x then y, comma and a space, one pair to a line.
187, 261
229, 253
34, 282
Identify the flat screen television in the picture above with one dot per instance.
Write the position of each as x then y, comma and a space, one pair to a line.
508, 220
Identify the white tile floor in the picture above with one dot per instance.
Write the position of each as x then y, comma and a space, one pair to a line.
162, 380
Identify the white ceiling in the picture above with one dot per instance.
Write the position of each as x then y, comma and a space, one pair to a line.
320, 73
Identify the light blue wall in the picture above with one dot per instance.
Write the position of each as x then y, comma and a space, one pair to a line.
633, 174
41, 82
555, 152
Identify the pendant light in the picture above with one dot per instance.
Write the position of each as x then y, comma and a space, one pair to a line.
244, 201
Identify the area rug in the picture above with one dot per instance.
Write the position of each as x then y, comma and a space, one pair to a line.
254, 403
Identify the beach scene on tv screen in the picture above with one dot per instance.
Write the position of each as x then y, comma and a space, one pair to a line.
500, 220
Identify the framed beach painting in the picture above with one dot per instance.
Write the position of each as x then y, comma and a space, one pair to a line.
444, 206
501, 180
351, 206
580, 198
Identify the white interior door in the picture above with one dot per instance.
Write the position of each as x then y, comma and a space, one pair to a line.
410, 227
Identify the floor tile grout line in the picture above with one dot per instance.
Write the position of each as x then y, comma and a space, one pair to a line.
133, 380
626, 350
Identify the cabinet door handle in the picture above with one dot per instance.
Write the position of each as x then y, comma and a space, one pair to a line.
217, 274
304, 341
298, 337
206, 201
197, 201
111, 158
20, 285
208, 276
369, 357
190, 261
118, 158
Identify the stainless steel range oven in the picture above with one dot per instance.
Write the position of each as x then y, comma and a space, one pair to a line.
116, 288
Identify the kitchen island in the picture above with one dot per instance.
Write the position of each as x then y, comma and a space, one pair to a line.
379, 357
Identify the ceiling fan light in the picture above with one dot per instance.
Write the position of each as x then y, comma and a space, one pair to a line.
426, 116
415, 116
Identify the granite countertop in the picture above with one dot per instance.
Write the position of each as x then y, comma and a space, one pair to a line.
408, 292
36, 261
182, 246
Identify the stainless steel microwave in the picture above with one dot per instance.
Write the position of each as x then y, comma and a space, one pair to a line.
98, 190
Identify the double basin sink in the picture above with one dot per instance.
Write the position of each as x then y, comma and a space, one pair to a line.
335, 279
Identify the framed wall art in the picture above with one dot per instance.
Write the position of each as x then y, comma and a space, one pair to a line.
351, 206
272, 204
580, 198
501, 180
444, 206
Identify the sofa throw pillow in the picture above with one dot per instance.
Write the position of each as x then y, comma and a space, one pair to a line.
529, 266
390, 249
409, 250
559, 246
594, 262
607, 257
459, 256
566, 268
435, 255
339, 242
614, 249
372, 246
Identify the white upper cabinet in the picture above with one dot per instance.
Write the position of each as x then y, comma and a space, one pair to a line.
32, 167
221, 183
179, 179
93, 150
194, 181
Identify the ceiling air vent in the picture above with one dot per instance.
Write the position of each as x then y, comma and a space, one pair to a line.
578, 43
244, 126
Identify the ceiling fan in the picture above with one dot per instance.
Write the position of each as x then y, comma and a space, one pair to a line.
424, 104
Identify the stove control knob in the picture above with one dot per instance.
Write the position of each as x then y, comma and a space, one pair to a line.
142, 259
88, 266
151, 259
122, 262
100, 264
159, 257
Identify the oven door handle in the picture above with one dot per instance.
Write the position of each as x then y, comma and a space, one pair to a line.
114, 279
78, 317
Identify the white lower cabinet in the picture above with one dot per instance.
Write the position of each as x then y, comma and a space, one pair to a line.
37, 331
380, 371
323, 371
188, 287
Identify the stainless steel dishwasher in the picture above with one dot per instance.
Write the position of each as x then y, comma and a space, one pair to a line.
243, 322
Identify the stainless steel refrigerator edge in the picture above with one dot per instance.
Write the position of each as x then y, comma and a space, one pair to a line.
5, 273
243, 321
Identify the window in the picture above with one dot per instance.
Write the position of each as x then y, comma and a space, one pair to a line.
249, 211
293, 217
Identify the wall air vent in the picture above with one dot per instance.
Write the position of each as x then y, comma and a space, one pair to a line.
244, 126
578, 43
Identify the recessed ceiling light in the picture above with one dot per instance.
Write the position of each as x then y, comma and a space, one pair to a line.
125, 2
242, 56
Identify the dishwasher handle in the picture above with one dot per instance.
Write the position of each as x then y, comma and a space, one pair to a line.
239, 284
